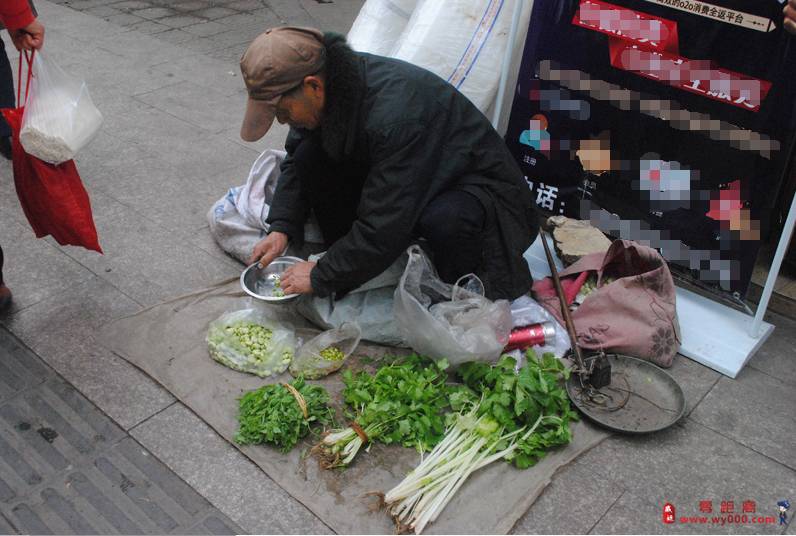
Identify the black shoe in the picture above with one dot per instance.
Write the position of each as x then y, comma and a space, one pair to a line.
5, 147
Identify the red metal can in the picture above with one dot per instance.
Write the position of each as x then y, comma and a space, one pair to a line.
533, 335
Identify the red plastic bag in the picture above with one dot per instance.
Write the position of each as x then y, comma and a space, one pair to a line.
52, 197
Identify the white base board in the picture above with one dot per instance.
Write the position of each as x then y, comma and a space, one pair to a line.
713, 334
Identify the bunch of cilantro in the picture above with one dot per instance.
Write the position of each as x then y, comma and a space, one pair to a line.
515, 416
272, 414
402, 403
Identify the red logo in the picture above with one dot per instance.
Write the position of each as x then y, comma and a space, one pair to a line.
668, 513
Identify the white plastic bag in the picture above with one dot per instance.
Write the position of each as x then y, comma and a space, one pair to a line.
369, 305
310, 359
237, 220
379, 24
228, 349
448, 321
60, 118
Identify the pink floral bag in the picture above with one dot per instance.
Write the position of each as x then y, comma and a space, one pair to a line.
632, 311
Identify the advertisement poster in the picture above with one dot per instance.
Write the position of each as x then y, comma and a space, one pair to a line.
661, 121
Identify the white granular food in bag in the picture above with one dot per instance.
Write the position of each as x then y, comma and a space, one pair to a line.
60, 118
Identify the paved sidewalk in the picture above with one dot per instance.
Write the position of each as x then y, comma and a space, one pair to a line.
165, 75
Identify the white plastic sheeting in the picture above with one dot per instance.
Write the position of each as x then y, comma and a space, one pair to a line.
462, 41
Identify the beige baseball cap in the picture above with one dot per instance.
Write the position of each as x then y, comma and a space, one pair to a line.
275, 62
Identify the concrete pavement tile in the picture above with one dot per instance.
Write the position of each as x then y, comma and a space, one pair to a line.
69, 317
141, 49
80, 26
213, 13
229, 55
641, 512
191, 5
690, 458
204, 107
175, 36
34, 270
103, 12
205, 29
247, 20
150, 27
147, 262
755, 410
575, 490
775, 357
245, 5
125, 19
695, 380
293, 13
6, 527
208, 73
333, 16
274, 139
124, 393
131, 5
153, 13
223, 475
179, 21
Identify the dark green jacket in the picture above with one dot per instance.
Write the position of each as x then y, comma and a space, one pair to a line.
419, 137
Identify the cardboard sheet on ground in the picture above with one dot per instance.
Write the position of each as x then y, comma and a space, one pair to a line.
167, 342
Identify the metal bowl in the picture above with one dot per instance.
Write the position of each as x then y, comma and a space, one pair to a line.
260, 282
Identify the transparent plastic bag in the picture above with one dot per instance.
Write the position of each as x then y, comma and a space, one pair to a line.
453, 322
310, 359
231, 350
60, 117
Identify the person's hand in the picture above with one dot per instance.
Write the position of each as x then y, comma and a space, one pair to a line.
28, 38
790, 16
296, 279
269, 248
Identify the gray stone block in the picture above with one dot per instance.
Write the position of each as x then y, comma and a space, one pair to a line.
205, 29
695, 380
153, 13
693, 462
775, 357
209, 109
180, 21
33, 269
213, 13
755, 410
222, 474
572, 503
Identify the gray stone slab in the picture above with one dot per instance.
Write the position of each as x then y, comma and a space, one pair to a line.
60, 330
292, 13
755, 410
123, 490
44, 431
692, 463
20, 369
695, 379
775, 357
213, 13
103, 11
125, 19
131, 5
180, 21
175, 36
153, 13
80, 26
210, 73
641, 512
205, 29
572, 503
222, 474
198, 105
150, 27
192, 5
34, 269
332, 16
6, 527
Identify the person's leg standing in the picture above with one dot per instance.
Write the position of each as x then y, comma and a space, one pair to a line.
453, 224
7, 100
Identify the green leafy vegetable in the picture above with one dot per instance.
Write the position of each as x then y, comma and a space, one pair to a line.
402, 403
518, 417
272, 414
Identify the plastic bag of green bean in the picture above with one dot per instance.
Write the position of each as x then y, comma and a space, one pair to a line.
249, 341
326, 352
